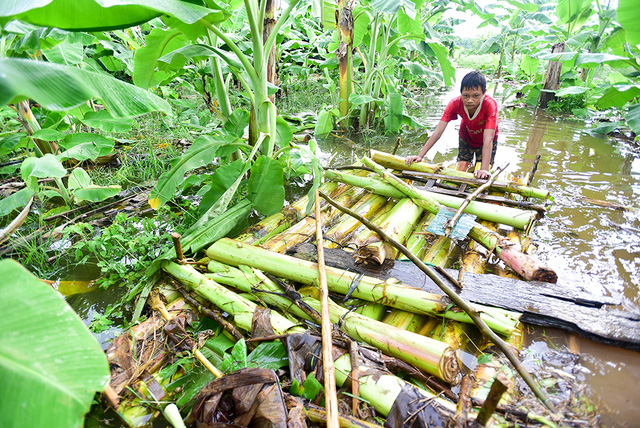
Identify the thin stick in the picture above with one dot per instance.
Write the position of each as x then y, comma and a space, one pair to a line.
498, 387
533, 170
355, 377
17, 222
464, 403
330, 397
450, 224
459, 301
397, 145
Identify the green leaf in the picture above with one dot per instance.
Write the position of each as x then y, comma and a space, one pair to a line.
47, 166
411, 121
526, 6
572, 90
78, 179
311, 387
47, 134
14, 201
65, 53
360, 26
9, 143
442, 54
95, 193
606, 127
485, 358
145, 59
45, 352
237, 122
359, 99
388, 6
410, 23
284, 134
633, 118
529, 65
588, 59
269, 355
84, 146
393, 117
266, 186
199, 52
91, 15
59, 87
574, 13
324, 124
217, 228
201, 153
103, 120
628, 16
222, 179
617, 96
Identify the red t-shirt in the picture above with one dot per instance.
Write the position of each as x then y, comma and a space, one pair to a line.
472, 129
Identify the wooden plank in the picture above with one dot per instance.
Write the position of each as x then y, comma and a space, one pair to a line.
564, 306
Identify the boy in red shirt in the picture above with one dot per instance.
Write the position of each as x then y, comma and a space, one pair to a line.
479, 127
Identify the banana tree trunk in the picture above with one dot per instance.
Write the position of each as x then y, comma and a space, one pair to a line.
552, 82
344, 22
270, 20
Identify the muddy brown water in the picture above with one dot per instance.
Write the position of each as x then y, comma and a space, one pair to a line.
593, 246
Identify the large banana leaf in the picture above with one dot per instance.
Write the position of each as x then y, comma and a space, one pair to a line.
633, 118
629, 16
50, 364
59, 87
618, 95
102, 15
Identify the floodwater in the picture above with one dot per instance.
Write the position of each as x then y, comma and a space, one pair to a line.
593, 246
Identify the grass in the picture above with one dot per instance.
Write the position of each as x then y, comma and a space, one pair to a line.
303, 95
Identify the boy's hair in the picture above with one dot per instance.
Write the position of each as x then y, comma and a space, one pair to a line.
472, 80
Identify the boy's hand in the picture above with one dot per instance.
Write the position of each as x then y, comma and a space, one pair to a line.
481, 173
411, 159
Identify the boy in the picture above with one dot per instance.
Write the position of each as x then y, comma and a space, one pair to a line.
479, 127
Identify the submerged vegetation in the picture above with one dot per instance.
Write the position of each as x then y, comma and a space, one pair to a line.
121, 126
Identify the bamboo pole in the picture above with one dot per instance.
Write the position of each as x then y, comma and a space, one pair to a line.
399, 224
331, 400
306, 227
478, 321
367, 207
528, 267
284, 218
430, 355
417, 242
510, 216
389, 292
378, 388
397, 162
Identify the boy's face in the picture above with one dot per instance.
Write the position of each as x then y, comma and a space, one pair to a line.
471, 97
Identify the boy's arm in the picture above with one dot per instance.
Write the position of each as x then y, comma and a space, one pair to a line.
487, 147
437, 133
